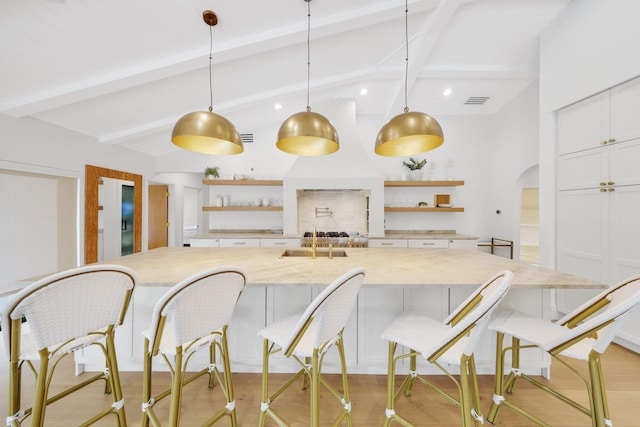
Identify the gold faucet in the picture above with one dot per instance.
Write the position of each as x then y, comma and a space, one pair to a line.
314, 243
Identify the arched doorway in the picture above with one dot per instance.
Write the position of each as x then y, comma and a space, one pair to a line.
529, 216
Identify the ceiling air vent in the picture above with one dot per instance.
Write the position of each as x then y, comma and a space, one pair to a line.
476, 100
247, 138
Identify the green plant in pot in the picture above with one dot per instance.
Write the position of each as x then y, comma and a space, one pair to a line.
415, 168
212, 172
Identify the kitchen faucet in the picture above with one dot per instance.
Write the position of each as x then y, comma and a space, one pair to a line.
314, 243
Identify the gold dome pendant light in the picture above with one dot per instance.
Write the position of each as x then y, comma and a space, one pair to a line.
412, 132
308, 133
205, 131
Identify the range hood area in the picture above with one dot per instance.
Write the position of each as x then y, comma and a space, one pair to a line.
347, 178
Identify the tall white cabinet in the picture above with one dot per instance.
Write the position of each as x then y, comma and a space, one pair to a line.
598, 197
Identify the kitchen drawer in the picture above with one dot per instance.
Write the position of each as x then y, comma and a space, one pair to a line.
239, 243
280, 243
429, 243
387, 243
204, 243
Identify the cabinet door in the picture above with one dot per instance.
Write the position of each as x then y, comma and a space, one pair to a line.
625, 251
625, 109
583, 125
377, 307
283, 302
625, 232
624, 163
583, 240
584, 169
249, 316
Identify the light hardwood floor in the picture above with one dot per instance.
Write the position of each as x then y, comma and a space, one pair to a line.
424, 408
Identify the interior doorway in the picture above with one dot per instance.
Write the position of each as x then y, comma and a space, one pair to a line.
94, 175
158, 216
530, 218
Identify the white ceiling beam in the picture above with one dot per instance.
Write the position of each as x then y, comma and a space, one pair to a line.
345, 79
196, 59
425, 40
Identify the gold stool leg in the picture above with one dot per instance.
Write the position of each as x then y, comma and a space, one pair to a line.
114, 379
40, 398
346, 402
413, 368
499, 378
305, 377
391, 387
265, 383
231, 401
474, 390
146, 382
315, 389
212, 361
599, 406
176, 390
515, 364
390, 413
465, 406
15, 374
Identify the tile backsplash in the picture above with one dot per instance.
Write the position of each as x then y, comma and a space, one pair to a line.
333, 210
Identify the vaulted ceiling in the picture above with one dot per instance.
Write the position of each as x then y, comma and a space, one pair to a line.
124, 71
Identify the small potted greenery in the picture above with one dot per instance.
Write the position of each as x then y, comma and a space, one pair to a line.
415, 168
212, 172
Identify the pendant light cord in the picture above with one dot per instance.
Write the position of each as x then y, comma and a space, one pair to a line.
308, 51
210, 74
406, 59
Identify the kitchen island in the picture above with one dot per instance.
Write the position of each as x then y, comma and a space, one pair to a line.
430, 281
396, 268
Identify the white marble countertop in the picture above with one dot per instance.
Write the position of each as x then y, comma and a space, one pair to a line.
384, 267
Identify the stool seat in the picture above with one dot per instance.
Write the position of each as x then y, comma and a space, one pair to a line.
65, 312
444, 344
582, 335
306, 338
192, 316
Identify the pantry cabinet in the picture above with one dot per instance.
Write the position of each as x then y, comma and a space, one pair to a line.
598, 195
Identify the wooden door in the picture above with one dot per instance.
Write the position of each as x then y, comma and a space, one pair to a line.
158, 215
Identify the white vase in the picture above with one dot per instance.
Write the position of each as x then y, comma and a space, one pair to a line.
415, 175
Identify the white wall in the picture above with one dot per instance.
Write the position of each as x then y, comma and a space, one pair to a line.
470, 142
590, 47
37, 225
514, 150
33, 147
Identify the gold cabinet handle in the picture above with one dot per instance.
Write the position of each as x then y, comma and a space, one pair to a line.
612, 189
612, 140
602, 184
603, 190
603, 142
610, 183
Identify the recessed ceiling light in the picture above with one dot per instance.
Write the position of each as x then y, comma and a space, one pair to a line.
277, 106
364, 91
447, 92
